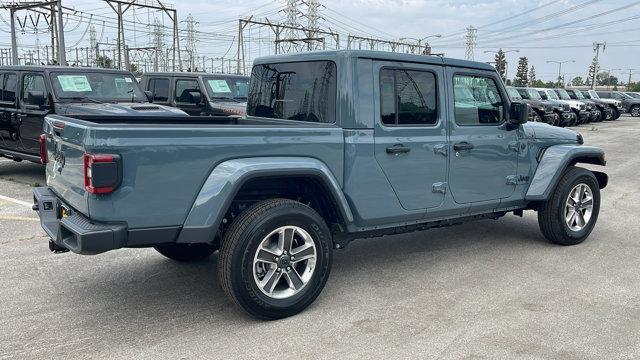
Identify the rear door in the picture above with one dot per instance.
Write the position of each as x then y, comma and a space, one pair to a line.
9, 120
182, 88
410, 132
32, 115
483, 151
159, 87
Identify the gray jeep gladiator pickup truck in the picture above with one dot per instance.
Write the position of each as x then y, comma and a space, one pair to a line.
335, 146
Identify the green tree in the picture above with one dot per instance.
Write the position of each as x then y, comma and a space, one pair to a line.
532, 75
593, 70
501, 64
635, 87
522, 74
104, 62
604, 78
538, 83
577, 81
135, 69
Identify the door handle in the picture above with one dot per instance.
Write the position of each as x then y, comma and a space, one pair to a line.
398, 149
462, 146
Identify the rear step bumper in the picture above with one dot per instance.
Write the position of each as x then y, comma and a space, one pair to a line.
75, 231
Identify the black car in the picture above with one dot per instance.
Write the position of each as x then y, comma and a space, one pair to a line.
615, 105
199, 94
630, 104
540, 110
596, 113
565, 116
29, 93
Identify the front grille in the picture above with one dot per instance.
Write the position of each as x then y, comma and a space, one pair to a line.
566, 107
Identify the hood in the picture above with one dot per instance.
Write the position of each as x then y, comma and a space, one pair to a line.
542, 105
610, 101
230, 107
130, 109
538, 130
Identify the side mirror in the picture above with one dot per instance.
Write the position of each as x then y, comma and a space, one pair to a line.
195, 97
149, 95
36, 98
518, 114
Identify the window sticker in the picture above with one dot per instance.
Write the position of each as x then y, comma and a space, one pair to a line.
128, 80
219, 86
74, 83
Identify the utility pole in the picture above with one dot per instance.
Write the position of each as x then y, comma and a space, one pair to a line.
560, 69
14, 40
470, 42
596, 48
62, 57
629, 82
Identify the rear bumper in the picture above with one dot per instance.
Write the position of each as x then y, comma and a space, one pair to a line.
76, 232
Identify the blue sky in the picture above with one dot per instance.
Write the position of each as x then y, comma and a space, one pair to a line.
541, 30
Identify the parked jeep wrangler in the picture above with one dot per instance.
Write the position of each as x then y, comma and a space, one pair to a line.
199, 94
606, 113
539, 110
29, 93
566, 117
336, 146
615, 105
630, 104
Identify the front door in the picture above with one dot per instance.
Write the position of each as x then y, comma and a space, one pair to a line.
9, 119
32, 114
483, 159
183, 89
410, 132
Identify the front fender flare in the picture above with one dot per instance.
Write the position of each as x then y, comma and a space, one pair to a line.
553, 163
215, 196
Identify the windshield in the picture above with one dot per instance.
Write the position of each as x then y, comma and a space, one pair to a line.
563, 94
227, 87
578, 94
594, 94
97, 87
624, 96
534, 95
552, 94
513, 94
634, 95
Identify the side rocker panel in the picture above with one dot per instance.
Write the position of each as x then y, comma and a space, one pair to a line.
556, 158
226, 179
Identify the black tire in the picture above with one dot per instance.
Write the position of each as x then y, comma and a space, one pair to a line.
551, 217
240, 245
616, 114
608, 115
186, 252
635, 111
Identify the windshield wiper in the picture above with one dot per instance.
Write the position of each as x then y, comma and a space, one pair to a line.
225, 98
84, 98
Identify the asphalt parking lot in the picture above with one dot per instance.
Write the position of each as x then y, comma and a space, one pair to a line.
489, 289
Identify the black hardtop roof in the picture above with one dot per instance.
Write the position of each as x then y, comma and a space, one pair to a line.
192, 74
50, 68
369, 54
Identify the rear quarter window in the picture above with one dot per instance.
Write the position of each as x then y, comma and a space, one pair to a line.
303, 91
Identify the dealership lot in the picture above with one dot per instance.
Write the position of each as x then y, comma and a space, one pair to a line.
490, 289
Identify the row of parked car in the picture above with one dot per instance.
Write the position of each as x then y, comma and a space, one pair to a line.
570, 107
29, 93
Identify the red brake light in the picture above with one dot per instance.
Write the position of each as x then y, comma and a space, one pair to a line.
44, 157
107, 178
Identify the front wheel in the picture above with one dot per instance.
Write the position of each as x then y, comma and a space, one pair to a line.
275, 258
635, 111
569, 216
615, 115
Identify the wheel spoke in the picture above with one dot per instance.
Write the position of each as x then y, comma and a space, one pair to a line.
267, 256
571, 201
294, 280
303, 253
587, 203
580, 219
270, 280
285, 239
582, 189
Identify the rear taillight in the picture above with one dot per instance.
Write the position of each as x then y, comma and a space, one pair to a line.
44, 157
101, 173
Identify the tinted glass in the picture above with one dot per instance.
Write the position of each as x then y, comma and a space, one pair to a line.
97, 86
160, 89
9, 88
514, 94
304, 91
220, 88
33, 82
184, 87
486, 107
408, 97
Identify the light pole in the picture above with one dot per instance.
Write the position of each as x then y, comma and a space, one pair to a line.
506, 63
560, 68
421, 40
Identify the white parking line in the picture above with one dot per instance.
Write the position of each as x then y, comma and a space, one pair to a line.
15, 201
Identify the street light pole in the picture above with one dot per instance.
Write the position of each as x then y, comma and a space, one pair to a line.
560, 69
421, 40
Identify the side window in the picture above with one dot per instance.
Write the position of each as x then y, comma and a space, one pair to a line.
160, 89
477, 101
33, 82
184, 87
9, 88
408, 97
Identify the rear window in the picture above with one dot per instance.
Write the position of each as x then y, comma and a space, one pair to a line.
9, 85
160, 89
303, 91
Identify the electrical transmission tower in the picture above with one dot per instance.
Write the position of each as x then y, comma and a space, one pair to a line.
157, 41
191, 47
596, 49
93, 45
313, 23
470, 42
292, 12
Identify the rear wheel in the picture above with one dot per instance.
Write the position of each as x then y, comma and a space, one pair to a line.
635, 111
186, 252
615, 115
275, 258
569, 216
